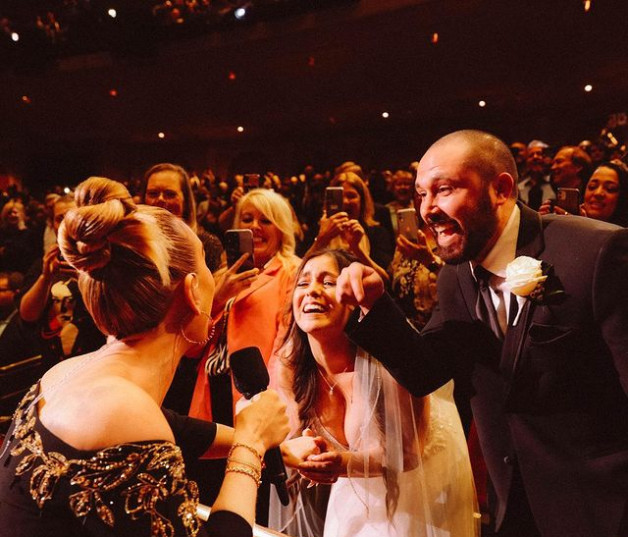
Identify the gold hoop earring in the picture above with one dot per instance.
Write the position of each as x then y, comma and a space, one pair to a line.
209, 336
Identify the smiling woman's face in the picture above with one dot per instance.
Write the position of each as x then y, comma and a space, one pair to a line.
602, 194
266, 235
314, 303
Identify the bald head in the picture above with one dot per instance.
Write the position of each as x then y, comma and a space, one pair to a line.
484, 153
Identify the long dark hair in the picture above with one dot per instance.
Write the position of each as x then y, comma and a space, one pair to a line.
298, 355
620, 214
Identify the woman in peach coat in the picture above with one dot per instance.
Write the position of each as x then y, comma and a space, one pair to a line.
260, 295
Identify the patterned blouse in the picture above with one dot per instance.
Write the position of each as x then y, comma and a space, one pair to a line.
48, 488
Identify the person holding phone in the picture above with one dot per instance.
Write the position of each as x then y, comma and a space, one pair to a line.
50, 304
260, 294
259, 297
355, 228
605, 196
414, 268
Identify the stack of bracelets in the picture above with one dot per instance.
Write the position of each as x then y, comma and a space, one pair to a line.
241, 467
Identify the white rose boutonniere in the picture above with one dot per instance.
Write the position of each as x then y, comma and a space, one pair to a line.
525, 277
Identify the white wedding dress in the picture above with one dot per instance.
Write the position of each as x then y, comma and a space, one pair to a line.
425, 493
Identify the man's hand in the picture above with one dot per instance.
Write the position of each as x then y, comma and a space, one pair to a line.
359, 285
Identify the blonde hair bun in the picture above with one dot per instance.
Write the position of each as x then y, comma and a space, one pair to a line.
88, 231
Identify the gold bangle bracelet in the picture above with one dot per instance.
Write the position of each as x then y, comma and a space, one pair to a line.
251, 466
247, 447
255, 476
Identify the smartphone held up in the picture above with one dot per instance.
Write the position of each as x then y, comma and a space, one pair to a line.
237, 243
568, 199
333, 200
408, 224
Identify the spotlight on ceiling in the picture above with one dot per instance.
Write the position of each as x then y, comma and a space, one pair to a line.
240, 13
15, 36
112, 13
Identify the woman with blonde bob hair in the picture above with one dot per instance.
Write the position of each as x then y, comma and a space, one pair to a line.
90, 452
259, 295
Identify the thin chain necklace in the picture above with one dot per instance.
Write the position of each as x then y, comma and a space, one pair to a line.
331, 386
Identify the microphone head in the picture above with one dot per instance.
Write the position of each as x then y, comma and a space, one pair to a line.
250, 375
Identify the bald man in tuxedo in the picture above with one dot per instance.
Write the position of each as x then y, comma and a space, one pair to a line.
544, 365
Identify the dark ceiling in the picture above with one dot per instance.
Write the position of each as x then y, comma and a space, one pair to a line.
329, 74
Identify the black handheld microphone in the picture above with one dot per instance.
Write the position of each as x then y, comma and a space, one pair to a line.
250, 377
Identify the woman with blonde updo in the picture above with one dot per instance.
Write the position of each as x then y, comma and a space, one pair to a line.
90, 452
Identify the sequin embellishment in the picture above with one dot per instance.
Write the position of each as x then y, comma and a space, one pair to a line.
146, 475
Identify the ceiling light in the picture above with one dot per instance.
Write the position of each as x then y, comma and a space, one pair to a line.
240, 13
26, 99
113, 92
587, 5
240, 128
588, 88
15, 36
112, 13
66, 190
482, 104
385, 115
161, 135
434, 38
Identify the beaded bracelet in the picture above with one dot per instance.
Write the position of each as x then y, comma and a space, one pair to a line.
249, 448
255, 476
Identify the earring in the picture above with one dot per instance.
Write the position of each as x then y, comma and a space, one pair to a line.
209, 336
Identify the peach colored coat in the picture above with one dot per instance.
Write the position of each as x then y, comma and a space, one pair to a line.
255, 319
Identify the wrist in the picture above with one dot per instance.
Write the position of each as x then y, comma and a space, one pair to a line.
250, 441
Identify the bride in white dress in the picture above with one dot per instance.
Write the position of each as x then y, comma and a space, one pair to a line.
391, 464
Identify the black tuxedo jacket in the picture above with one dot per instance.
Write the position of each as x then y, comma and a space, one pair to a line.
552, 398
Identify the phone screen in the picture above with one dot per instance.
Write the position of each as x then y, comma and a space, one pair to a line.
407, 224
333, 200
237, 243
569, 199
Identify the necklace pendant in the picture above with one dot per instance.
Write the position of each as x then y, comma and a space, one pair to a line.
331, 390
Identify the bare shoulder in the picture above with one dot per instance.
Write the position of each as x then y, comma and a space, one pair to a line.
106, 412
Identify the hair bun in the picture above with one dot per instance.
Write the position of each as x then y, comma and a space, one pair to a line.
102, 204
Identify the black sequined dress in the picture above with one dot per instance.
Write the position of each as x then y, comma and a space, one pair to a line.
50, 489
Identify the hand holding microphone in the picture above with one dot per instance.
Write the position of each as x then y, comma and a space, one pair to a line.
265, 417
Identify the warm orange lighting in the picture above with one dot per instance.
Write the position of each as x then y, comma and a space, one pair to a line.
434, 38
232, 75
113, 92
587, 5
26, 99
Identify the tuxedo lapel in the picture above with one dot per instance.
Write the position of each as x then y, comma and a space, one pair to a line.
469, 288
529, 243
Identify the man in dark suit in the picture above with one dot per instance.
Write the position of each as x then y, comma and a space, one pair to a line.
541, 352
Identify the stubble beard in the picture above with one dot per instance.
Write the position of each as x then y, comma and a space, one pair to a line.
480, 225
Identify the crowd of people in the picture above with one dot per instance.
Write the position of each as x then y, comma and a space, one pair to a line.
395, 346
